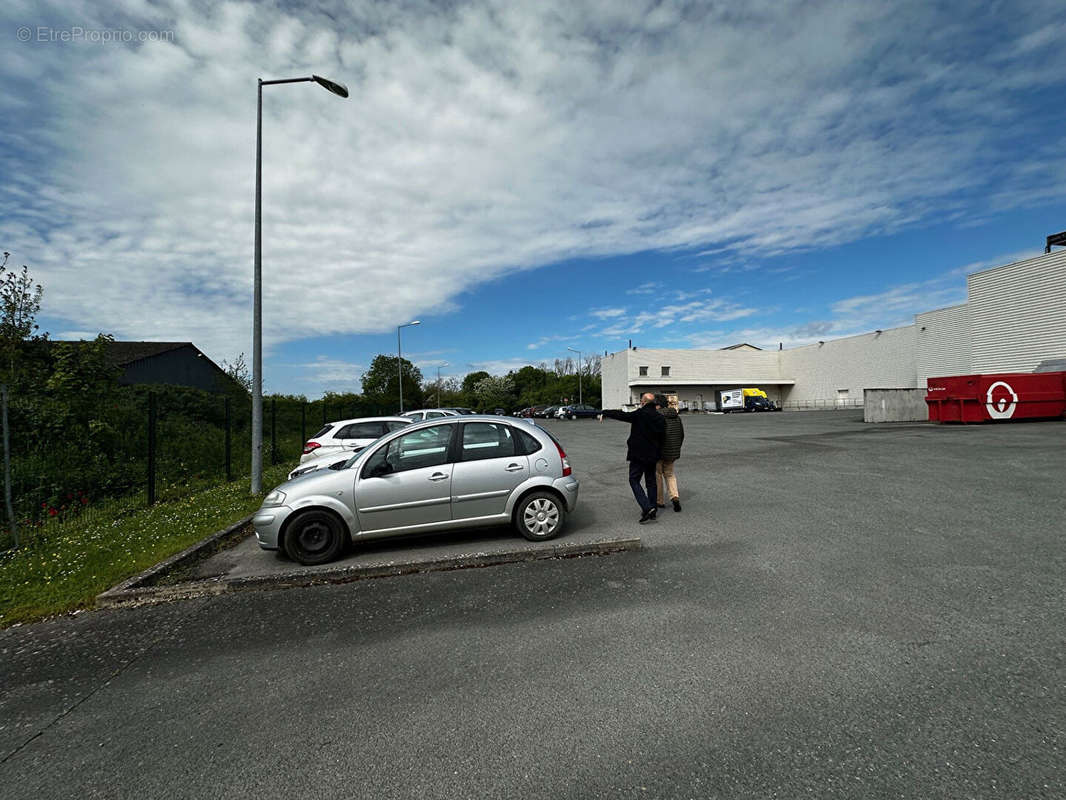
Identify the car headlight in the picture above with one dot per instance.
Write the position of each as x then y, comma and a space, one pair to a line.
275, 498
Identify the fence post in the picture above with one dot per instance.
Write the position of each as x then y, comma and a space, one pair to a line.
229, 463
323, 413
303, 423
151, 448
273, 430
7, 474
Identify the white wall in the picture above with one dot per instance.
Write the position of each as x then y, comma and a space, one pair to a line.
883, 360
1018, 314
613, 371
943, 343
719, 366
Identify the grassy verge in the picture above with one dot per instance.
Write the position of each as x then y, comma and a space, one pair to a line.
62, 567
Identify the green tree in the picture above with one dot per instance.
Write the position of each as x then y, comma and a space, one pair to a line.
238, 370
493, 393
20, 300
470, 383
381, 387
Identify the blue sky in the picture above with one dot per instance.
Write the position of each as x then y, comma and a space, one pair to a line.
522, 177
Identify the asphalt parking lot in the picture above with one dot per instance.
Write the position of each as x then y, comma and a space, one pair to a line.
840, 610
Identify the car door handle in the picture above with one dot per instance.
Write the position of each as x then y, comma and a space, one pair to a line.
513, 467
437, 476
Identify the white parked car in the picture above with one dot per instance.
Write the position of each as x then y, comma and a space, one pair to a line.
349, 436
335, 460
429, 413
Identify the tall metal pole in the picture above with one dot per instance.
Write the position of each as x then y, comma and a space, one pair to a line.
7, 476
257, 307
340, 90
580, 399
399, 357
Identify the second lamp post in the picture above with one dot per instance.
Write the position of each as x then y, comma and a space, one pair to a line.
580, 401
399, 356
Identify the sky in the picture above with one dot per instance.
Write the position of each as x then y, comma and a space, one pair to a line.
521, 177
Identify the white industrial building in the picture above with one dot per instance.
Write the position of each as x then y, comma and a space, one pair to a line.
1014, 318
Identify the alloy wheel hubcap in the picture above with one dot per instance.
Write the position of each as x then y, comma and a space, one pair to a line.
541, 517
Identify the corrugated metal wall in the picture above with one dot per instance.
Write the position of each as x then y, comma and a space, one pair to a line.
613, 371
943, 342
841, 369
1018, 314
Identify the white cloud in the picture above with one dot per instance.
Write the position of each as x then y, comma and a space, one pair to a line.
331, 373
651, 287
891, 308
500, 366
607, 313
485, 138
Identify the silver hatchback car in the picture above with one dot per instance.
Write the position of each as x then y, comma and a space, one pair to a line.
437, 475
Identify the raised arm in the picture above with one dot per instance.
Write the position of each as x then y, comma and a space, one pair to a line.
622, 416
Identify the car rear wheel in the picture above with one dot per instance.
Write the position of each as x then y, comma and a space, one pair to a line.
315, 537
540, 516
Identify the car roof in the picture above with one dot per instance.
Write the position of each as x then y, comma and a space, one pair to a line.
368, 419
495, 418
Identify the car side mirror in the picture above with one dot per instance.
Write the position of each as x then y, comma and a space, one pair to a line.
380, 470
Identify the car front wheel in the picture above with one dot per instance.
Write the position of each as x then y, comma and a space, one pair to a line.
315, 537
540, 517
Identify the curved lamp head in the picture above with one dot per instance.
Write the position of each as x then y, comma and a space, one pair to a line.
337, 88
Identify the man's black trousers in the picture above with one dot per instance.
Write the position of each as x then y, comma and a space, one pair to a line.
645, 470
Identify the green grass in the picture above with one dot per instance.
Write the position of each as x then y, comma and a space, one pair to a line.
62, 567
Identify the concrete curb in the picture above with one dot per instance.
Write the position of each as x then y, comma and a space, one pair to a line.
139, 583
139, 590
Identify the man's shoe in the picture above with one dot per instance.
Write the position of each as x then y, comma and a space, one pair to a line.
645, 518
651, 515
660, 505
677, 504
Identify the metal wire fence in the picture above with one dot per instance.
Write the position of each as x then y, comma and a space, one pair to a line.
160, 445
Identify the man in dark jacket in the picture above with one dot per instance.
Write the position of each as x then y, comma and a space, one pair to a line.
645, 442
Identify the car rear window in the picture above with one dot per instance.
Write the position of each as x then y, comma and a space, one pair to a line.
360, 430
526, 444
325, 429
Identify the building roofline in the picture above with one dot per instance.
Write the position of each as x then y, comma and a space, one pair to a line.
668, 381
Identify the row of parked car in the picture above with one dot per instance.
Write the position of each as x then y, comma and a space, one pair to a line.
378, 477
576, 411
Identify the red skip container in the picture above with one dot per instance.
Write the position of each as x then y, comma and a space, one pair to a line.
1006, 396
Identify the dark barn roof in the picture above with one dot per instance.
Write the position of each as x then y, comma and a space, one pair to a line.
182, 364
122, 353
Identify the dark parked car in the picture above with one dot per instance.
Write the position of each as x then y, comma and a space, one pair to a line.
533, 411
546, 412
578, 411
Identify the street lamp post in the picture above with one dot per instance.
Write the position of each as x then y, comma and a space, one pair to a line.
399, 357
257, 281
580, 399
445, 364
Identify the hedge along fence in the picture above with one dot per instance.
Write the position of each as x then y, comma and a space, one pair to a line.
146, 444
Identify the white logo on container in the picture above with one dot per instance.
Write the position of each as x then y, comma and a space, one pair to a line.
1001, 408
